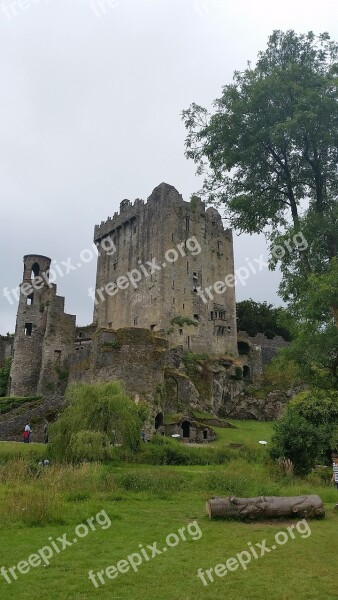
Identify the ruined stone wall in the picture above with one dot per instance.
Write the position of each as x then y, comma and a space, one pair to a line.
269, 347
58, 347
145, 232
6, 348
136, 357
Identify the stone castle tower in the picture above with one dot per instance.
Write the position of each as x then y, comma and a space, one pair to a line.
44, 335
191, 250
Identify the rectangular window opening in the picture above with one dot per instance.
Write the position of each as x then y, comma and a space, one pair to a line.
30, 300
28, 329
57, 356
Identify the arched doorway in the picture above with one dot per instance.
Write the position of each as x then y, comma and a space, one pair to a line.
186, 429
205, 434
246, 372
158, 420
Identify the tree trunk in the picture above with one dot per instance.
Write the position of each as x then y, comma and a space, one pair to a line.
265, 507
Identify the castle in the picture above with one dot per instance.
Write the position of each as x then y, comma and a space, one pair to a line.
164, 289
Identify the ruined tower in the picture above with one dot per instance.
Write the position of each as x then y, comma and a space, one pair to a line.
167, 252
44, 334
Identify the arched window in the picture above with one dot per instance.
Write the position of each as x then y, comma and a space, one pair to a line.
35, 270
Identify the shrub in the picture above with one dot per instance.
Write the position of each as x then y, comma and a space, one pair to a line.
181, 321
307, 433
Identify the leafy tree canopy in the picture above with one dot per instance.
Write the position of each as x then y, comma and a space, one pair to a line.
269, 156
260, 317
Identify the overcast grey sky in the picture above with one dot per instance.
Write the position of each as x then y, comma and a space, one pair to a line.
90, 107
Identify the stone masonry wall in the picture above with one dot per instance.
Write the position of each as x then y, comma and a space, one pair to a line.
6, 348
145, 232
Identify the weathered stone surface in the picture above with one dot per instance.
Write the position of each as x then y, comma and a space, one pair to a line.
147, 231
269, 408
44, 336
134, 356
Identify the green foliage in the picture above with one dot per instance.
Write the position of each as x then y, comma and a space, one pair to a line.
101, 409
4, 376
308, 430
193, 202
260, 317
89, 445
164, 451
281, 374
270, 151
276, 120
7, 404
183, 321
315, 351
143, 411
315, 320
113, 345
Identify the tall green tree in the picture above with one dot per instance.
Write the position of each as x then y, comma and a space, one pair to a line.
269, 156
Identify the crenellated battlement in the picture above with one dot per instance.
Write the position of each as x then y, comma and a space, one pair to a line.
128, 212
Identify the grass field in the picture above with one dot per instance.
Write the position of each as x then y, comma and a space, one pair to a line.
145, 504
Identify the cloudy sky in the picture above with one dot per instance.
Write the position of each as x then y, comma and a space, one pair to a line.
90, 104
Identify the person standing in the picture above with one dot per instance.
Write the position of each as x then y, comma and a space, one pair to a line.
335, 471
27, 434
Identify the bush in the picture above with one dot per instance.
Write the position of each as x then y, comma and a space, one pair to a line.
95, 416
307, 433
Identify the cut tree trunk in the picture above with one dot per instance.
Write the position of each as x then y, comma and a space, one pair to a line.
265, 507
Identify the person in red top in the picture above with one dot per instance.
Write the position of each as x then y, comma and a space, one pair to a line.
27, 434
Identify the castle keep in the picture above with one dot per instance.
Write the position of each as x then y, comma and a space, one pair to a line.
191, 251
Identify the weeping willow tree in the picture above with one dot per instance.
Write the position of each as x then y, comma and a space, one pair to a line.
96, 416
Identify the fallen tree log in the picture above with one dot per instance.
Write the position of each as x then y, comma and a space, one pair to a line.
265, 507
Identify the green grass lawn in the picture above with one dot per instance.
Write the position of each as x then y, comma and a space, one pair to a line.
246, 432
145, 504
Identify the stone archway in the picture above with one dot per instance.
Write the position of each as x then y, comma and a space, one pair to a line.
159, 420
186, 429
